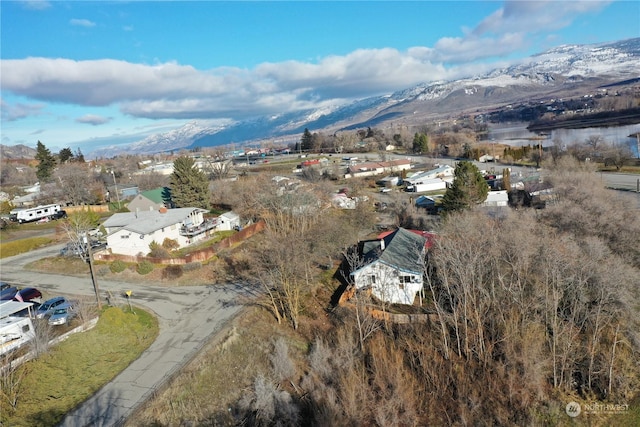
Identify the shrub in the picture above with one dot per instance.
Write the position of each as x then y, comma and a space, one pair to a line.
117, 266
192, 266
145, 267
172, 272
158, 251
170, 244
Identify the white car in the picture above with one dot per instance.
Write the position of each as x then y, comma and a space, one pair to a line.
385, 190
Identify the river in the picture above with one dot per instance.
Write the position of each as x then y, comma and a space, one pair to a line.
516, 134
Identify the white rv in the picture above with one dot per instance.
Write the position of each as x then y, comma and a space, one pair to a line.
37, 213
15, 330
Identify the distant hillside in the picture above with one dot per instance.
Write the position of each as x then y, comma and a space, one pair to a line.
564, 72
15, 152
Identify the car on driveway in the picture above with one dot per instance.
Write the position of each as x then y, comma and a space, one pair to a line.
27, 294
49, 306
7, 291
63, 314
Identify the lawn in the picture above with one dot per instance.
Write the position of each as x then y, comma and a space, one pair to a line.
72, 371
16, 247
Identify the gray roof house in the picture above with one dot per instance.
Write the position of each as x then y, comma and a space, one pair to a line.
392, 265
151, 200
131, 233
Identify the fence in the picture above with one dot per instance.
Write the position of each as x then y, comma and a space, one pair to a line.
196, 256
92, 208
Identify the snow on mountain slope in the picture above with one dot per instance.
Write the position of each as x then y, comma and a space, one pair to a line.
544, 73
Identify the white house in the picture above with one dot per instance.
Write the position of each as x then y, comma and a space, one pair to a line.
130, 233
393, 265
497, 198
228, 221
441, 172
377, 168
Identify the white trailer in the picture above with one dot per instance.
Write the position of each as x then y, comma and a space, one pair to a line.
15, 330
427, 185
37, 213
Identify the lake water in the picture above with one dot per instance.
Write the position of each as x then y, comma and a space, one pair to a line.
517, 135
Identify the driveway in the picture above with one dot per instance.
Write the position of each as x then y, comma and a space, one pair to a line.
189, 316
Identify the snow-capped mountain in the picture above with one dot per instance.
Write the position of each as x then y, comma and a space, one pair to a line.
569, 70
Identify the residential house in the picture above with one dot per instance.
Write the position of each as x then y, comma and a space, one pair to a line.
393, 265
496, 198
377, 168
151, 200
442, 172
131, 233
122, 192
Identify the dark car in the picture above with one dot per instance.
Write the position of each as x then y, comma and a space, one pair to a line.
60, 214
7, 291
28, 294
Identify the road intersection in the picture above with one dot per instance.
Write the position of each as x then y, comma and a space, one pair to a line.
189, 317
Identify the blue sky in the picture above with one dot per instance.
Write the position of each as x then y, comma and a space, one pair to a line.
91, 73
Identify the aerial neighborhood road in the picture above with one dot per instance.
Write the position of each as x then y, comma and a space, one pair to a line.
189, 316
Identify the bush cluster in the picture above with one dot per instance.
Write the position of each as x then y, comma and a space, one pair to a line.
192, 266
172, 272
144, 267
117, 266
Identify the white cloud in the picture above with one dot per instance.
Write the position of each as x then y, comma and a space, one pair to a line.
19, 110
93, 119
172, 90
82, 23
36, 4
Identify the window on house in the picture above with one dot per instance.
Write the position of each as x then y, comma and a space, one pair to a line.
372, 279
405, 279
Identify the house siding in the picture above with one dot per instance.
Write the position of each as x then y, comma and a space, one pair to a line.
387, 285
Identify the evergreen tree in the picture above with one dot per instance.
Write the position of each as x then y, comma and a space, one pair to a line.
307, 140
469, 188
79, 157
189, 185
47, 162
65, 155
420, 143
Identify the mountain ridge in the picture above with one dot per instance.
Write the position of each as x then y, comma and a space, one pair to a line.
562, 71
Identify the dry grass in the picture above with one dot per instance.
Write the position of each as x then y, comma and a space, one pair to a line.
207, 388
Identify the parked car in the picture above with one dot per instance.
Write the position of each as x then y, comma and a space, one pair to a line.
60, 214
27, 294
7, 291
49, 306
73, 249
63, 314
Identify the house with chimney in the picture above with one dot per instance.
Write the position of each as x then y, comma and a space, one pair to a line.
391, 266
131, 233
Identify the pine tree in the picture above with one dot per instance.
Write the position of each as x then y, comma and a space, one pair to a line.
189, 186
307, 140
469, 188
47, 162
65, 155
420, 143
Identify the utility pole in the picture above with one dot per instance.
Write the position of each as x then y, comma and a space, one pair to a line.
91, 270
115, 184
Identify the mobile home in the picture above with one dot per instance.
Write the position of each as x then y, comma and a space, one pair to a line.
37, 213
15, 330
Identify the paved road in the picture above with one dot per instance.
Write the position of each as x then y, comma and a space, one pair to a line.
188, 317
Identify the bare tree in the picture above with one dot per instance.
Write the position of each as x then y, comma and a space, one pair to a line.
12, 376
